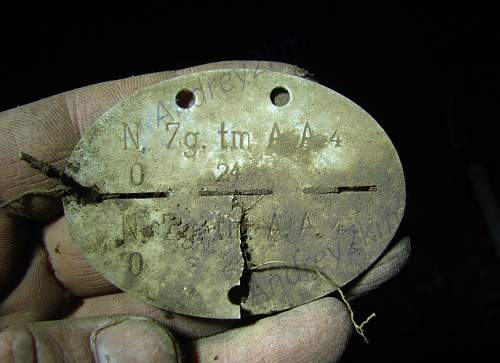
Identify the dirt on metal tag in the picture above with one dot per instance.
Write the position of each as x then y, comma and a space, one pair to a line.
234, 191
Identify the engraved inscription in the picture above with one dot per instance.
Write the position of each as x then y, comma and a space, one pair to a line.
162, 113
306, 224
238, 139
275, 135
189, 233
231, 261
335, 140
306, 138
190, 139
229, 137
207, 90
136, 174
131, 134
228, 172
307, 134
349, 239
191, 142
171, 128
274, 228
129, 227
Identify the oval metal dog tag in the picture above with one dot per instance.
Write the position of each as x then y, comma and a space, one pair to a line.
232, 190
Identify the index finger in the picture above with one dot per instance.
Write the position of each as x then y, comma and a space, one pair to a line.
49, 129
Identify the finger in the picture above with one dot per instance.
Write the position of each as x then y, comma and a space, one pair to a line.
384, 269
182, 326
12, 234
50, 128
37, 296
104, 339
70, 266
315, 332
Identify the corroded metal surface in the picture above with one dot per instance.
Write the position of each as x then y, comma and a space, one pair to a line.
207, 178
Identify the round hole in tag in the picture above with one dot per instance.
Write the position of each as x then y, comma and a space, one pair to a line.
230, 191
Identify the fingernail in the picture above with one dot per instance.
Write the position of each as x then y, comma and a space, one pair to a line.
135, 340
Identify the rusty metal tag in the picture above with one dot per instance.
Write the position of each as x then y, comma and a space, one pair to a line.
227, 191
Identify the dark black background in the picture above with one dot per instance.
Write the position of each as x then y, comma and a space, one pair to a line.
419, 72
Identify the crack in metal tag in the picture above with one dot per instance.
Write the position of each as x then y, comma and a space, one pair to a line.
205, 177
